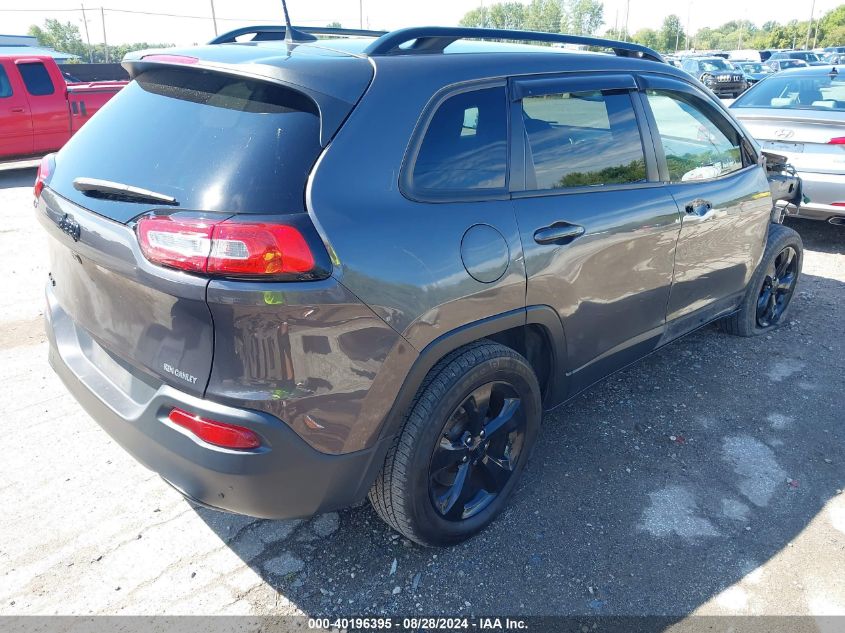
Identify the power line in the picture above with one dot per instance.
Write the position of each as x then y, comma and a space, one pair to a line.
159, 14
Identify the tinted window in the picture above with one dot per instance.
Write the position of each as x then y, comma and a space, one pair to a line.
583, 138
755, 68
5, 85
214, 142
712, 65
698, 145
465, 145
36, 78
807, 57
799, 92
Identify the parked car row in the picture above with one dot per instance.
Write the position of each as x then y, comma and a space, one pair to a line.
730, 74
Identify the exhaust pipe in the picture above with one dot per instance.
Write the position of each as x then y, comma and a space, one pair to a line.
837, 220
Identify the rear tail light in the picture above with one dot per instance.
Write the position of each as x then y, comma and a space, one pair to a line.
214, 432
258, 249
839, 140
42, 177
227, 247
837, 204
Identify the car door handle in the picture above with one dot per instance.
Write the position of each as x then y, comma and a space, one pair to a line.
698, 207
558, 232
17, 110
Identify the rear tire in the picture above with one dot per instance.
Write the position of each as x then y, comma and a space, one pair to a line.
464, 443
769, 294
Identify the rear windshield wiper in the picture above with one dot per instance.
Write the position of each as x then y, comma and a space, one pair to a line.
109, 190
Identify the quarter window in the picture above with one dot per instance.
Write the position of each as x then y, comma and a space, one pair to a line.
583, 139
465, 146
695, 145
36, 78
5, 85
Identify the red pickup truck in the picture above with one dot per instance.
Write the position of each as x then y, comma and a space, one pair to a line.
39, 110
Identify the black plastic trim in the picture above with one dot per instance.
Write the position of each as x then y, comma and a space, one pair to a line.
433, 39
542, 315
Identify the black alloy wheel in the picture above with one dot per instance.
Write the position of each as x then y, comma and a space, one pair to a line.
477, 452
778, 287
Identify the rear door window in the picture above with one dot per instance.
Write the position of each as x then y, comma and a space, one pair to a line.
464, 149
582, 139
36, 79
214, 142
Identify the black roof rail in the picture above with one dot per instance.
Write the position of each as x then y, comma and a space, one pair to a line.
268, 32
433, 39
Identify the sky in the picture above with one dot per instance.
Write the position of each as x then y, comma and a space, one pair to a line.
121, 26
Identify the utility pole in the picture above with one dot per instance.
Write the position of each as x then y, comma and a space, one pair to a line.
213, 17
627, 13
810, 26
105, 41
689, 13
360, 14
87, 37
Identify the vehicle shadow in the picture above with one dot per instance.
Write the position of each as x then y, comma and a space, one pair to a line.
650, 494
11, 178
820, 236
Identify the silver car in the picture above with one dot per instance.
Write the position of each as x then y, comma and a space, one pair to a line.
800, 114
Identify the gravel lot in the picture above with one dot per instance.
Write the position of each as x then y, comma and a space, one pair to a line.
706, 479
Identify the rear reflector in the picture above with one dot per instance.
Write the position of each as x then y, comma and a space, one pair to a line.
837, 204
231, 248
217, 433
45, 170
839, 140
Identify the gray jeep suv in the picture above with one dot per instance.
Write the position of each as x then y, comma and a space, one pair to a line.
289, 274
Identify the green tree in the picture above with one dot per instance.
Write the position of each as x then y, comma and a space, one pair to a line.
65, 37
61, 36
503, 15
671, 35
832, 27
583, 17
614, 34
646, 37
544, 15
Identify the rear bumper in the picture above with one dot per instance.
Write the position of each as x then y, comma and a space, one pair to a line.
821, 190
285, 478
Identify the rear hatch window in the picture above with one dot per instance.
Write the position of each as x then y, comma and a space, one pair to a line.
213, 142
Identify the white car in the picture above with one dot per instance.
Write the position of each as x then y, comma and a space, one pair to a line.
800, 114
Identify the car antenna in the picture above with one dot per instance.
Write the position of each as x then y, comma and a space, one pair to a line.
293, 35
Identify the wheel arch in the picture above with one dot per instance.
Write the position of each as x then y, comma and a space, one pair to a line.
536, 332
